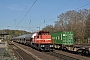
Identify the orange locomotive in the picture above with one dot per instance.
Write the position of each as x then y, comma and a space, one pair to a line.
42, 41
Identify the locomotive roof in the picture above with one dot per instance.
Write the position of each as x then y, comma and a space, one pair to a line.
43, 32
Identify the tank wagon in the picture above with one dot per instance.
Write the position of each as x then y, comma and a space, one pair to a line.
41, 40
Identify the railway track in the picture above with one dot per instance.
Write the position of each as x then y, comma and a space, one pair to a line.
61, 56
20, 54
34, 53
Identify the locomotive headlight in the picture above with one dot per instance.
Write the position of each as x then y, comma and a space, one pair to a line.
51, 45
42, 46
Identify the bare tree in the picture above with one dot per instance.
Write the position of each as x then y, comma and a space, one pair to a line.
88, 25
48, 28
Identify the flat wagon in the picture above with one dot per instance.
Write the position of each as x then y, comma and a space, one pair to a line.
63, 39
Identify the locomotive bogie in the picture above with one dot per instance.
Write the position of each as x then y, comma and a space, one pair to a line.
43, 47
46, 47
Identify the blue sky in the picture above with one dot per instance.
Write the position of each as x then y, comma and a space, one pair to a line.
18, 13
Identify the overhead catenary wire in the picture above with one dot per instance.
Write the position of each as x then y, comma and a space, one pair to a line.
53, 12
21, 13
82, 6
57, 9
24, 10
56, 17
26, 13
45, 15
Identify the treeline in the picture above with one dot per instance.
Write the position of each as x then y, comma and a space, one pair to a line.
76, 21
13, 33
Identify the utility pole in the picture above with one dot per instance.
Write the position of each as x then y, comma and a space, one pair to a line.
39, 28
23, 30
29, 25
44, 21
15, 21
8, 27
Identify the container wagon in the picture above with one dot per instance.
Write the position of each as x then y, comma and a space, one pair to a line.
62, 40
65, 41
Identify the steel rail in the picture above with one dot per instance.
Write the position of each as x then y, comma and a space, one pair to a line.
61, 56
20, 57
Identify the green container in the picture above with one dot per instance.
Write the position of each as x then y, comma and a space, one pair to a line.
56, 36
65, 38
68, 38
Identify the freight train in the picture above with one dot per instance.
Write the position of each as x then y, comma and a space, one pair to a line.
56, 40
41, 40
65, 41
